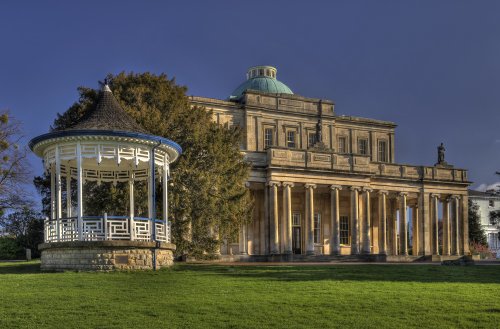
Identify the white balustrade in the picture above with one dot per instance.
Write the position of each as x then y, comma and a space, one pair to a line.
97, 228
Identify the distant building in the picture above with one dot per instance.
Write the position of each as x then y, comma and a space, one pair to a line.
488, 201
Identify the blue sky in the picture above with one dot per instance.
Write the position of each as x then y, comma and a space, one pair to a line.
433, 67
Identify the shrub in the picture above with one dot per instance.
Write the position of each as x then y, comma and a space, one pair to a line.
10, 248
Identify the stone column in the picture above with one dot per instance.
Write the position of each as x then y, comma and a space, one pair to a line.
465, 224
354, 220
456, 224
425, 220
243, 240
262, 224
394, 223
287, 215
446, 227
274, 219
382, 215
367, 223
335, 219
403, 224
267, 224
415, 230
435, 224
310, 218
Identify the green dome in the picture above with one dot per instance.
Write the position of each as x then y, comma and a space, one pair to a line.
261, 78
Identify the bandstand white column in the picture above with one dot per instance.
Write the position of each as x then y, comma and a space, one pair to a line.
165, 196
68, 192
335, 219
131, 205
58, 195
52, 192
79, 190
310, 218
382, 216
151, 186
274, 219
367, 224
287, 215
354, 220
403, 224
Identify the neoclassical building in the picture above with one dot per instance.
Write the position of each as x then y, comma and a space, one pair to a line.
328, 184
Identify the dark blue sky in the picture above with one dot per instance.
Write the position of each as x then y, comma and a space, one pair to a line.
433, 67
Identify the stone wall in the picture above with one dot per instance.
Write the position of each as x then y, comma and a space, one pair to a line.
104, 255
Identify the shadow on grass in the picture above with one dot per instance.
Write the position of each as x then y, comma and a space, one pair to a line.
20, 267
393, 273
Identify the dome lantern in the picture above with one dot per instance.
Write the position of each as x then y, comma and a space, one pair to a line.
261, 78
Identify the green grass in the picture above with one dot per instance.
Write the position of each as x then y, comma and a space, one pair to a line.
211, 296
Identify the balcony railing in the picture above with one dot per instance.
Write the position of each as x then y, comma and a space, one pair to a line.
100, 228
354, 163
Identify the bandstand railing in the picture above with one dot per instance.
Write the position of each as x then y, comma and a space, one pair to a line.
100, 228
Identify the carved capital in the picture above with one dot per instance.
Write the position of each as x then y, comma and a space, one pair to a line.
355, 188
287, 184
310, 186
335, 187
367, 189
273, 183
383, 192
402, 194
456, 197
435, 195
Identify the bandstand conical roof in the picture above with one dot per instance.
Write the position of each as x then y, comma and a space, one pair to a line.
107, 115
107, 120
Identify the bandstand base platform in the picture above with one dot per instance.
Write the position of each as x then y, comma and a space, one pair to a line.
105, 255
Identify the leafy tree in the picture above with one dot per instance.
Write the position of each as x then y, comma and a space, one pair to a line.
13, 165
476, 232
25, 227
206, 191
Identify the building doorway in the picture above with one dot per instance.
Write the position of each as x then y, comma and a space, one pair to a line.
296, 234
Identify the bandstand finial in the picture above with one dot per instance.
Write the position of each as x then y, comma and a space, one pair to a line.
105, 85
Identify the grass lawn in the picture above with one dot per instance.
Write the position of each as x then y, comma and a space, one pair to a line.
212, 296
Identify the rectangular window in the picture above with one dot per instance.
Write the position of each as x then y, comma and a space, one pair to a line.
363, 146
290, 138
295, 219
311, 139
382, 151
342, 143
344, 230
268, 137
317, 228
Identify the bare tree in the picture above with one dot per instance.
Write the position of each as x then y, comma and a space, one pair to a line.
14, 169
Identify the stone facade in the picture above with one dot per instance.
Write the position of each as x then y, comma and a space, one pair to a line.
104, 255
343, 194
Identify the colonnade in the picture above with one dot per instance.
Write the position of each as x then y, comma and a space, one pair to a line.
383, 232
